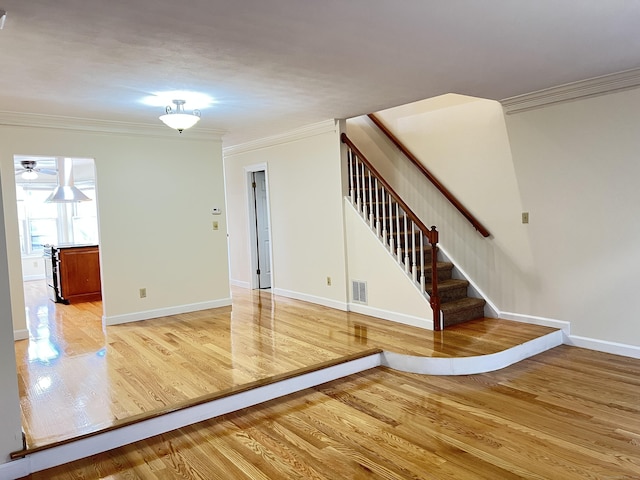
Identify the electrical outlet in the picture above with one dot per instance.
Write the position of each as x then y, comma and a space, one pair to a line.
214, 224
525, 217
35, 264
328, 281
143, 293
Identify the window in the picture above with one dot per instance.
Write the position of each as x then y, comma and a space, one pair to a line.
42, 223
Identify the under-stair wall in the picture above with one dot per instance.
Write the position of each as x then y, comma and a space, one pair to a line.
465, 144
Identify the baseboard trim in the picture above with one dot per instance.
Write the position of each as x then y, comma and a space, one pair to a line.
471, 365
326, 302
604, 346
164, 312
426, 323
239, 283
542, 321
29, 278
21, 334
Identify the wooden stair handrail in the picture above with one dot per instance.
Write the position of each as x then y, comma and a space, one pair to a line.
388, 187
449, 196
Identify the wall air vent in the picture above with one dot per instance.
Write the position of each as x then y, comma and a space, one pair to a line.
359, 290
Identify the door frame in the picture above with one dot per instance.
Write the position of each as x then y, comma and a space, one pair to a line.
252, 233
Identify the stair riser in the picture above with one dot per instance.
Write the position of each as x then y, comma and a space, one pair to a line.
451, 294
453, 318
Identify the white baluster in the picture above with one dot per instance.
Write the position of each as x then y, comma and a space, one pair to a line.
422, 282
377, 207
391, 241
384, 217
406, 244
414, 268
351, 190
399, 252
358, 203
371, 219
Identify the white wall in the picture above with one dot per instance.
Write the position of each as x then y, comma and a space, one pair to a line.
391, 294
32, 267
155, 195
578, 166
463, 141
10, 425
305, 198
573, 166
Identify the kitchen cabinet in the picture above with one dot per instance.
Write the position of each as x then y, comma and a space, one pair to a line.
73, 273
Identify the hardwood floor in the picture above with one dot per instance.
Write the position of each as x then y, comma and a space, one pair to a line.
77, 377
565, 414
568, 413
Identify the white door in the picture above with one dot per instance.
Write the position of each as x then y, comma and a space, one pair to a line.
263, 248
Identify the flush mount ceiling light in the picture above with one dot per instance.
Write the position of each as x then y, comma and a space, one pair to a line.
3, 17
179, 119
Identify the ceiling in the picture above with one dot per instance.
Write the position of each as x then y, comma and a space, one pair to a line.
276, 65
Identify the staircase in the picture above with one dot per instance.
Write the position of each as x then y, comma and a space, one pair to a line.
410, 242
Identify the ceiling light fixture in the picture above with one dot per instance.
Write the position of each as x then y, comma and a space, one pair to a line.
29, 175
3, 17
179, 119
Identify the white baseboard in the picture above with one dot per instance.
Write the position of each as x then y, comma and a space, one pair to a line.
165, 312
327, 302
239, 283
29, 278
14, 469
605, 346
542, 321
426, 323
22, 334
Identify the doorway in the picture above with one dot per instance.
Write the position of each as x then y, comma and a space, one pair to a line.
56, 205
259, 227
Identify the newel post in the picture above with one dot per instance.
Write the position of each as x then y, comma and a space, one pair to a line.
434, 298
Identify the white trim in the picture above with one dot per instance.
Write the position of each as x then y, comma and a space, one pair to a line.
605, 346
29, 278
240, 283
326, 126
570, 91
426, 323
542, 321
165, 312
475, 364
138, 431
327, 302
17, 119
14, 469
493, 309
21, 334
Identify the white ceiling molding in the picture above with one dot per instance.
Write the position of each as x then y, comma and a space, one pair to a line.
307, 131
17, 119
572, 91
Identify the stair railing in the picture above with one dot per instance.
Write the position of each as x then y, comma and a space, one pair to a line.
436, 183
399, 229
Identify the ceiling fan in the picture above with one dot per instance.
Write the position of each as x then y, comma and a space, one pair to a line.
29, 170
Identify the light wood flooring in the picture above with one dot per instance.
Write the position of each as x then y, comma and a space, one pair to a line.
567, 413
76, 377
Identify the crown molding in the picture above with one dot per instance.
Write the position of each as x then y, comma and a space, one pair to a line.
571, 91
37, 120
326, 126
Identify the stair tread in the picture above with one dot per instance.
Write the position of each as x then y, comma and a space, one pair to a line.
450, 283
462, 304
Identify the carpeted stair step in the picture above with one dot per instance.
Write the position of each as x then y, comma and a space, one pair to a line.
450, 290
462, 310
445, 270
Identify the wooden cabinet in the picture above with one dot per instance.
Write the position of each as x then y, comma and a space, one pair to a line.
78, 274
